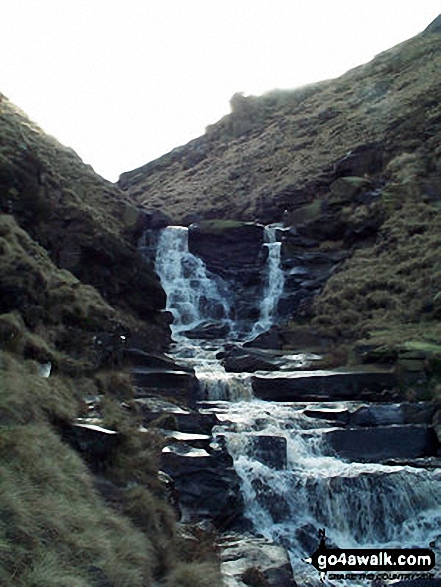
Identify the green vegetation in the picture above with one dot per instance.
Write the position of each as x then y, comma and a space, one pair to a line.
70, 284
56, 529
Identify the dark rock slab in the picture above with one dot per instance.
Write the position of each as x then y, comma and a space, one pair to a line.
382, 443
207, 484
95, 443
419, 412
233, 251
377, 415
324, 385
178, 384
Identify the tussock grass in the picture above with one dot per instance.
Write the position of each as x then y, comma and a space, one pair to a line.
55, 529
392, 285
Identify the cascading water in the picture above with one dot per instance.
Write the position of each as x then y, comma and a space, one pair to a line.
359, 504
274, 281
192, 295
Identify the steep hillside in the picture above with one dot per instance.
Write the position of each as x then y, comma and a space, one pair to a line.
352, 166
276, 151
74, 294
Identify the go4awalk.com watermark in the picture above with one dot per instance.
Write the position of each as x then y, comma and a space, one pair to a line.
392, 563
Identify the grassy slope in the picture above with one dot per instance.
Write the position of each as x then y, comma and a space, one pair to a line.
58, 526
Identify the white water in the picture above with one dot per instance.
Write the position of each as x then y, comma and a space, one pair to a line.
359, 504
192, 295
274, 281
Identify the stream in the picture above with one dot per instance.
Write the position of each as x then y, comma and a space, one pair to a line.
293, 482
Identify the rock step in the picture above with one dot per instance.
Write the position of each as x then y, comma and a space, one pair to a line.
378, 414
410, 441
325, 385
207, 484
138, 358
176, 383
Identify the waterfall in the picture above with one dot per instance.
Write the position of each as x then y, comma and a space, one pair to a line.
294, 486
274, 281
361, 505
193, 295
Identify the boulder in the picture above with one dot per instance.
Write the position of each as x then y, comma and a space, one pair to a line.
383, 442
244, 557
324, 385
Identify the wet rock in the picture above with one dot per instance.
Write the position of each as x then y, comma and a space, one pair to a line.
176, 418
269, 450
139, 358
243, 556
207, 484
208, 331
340, 417
229, 249
377, 415
324, 385
235, 252
381, 443
270, 500
267, 340
236, 359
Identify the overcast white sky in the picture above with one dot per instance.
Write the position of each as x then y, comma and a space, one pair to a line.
125, 81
